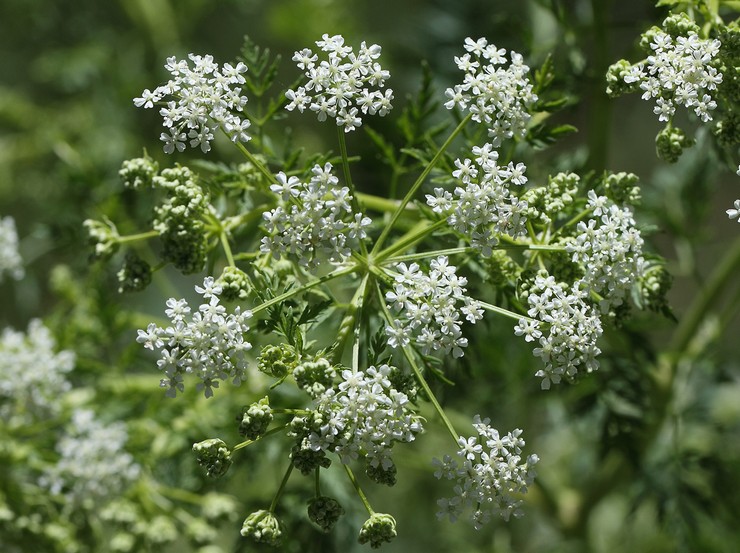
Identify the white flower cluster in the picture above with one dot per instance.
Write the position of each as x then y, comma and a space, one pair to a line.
431, 307
365, 415
208, 344
678, 73
609, 248
489, 475
10, 260
566, 327
342, 86
314, 221
32, 375
496, 95
483, 207
93, 464
199, 100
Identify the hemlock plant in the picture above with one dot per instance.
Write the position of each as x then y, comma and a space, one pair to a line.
346, 309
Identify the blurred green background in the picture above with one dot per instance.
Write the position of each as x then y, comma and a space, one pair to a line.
623, 469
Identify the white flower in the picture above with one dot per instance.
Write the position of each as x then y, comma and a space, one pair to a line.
93, 464
735, 212
566, 328
497, 96
198, 101
10, 260
487, 480
314, 222
32, 375
609, 248
365, 416
483, 206
208, 344
430, 308
342, 86
678, 73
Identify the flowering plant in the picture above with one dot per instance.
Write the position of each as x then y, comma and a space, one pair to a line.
336, 308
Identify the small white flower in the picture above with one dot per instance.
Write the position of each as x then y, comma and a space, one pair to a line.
10, 260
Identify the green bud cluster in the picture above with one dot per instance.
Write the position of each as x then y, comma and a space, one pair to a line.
255, 419
615, 85
500, 268
263, 527
104, 238
135, 275
380, 475
235, 284
179, 220
276, 361
680, 24
305, 459
379, 528
324, 512
648, 37
671, 142
138, 172
563, 268
213, 456
314, 377
654, 287
622, 188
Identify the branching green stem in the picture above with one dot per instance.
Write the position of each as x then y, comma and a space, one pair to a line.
419, 181
245, 443
290, 293
136, 237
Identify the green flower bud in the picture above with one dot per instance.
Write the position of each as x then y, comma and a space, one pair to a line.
648, 37
670, 143
263, 527
234, 283
377, 529
324, 512
138, 172
135, 275
314, 377
104, 237
213, 456
615, 83
622, 188
276, 361
679, 24
381, 475
255, 419
306, 460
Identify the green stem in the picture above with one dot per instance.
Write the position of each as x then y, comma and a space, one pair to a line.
413, 236
727, 270
408, 353
415, 187
227, 248
245, 443
290, 293
376, 203
136, 237
257, 163
504, 312
424, 255
280, 489
360, 295
348, 179
359, 491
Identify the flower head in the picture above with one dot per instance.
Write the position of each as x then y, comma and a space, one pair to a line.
431, 308
494, 93
208, 343
342, 86
197, 101
488, 475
